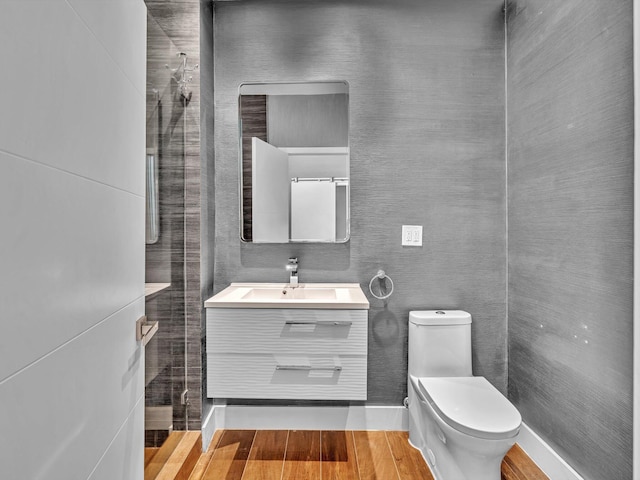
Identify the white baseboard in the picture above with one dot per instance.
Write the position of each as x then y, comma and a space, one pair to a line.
257, 417
208, 429
545, 457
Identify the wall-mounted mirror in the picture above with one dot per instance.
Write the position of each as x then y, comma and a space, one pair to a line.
294, 162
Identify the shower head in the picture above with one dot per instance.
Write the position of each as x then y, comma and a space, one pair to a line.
182, 78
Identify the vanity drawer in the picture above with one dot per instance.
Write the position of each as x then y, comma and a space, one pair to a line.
233, 330
283, 376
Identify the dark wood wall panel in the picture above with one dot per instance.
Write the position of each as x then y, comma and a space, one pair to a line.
253, 109
570, 204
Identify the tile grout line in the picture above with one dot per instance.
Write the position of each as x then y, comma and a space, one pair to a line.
111, 442
105, 49
77, 175
70, 340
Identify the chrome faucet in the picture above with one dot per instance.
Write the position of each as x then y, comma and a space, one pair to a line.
292, 268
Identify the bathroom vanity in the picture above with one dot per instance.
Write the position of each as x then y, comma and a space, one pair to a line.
273, 341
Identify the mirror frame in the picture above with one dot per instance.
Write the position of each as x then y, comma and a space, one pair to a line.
241, 163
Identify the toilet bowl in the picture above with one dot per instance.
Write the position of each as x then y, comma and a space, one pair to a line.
469, 426
462, 424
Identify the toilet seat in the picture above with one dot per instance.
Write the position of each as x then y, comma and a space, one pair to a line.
471, 405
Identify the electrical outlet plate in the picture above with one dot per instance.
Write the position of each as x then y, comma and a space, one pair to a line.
412, 235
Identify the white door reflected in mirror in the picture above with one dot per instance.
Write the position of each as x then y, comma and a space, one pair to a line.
270, 179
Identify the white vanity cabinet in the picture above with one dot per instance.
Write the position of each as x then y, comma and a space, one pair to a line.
287, 353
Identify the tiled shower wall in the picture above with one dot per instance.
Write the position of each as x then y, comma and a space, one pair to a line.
164, 260
180, 21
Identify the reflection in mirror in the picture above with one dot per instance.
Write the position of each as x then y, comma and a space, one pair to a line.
152, 204
294, 162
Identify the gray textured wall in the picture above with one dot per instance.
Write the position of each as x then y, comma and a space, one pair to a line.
308, 120
570, 183
427, 147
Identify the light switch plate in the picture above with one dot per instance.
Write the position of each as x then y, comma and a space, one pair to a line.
412, 235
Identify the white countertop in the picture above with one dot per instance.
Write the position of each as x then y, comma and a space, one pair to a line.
337, 296
151, 289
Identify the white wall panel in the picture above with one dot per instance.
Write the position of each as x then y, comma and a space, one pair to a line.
73, 252
65, 409
72, 138
121, 460
71, 106
106, 17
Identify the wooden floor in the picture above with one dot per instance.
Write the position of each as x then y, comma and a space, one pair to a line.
328, 455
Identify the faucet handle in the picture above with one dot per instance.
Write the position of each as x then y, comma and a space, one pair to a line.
292, 268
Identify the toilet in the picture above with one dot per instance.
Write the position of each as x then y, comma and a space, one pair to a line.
462, 424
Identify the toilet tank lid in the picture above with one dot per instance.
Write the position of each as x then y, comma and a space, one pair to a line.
439, 317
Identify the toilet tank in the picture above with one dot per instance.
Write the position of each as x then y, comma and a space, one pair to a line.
440, 343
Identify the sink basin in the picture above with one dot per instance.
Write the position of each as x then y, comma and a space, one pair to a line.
290, 293
283, 295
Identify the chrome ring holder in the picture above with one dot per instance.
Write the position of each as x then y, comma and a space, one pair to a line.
382, 278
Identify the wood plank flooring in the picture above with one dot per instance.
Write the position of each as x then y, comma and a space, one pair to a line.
328, 455
176, 459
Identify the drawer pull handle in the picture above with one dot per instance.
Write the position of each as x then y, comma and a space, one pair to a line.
320, 322
307, 368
